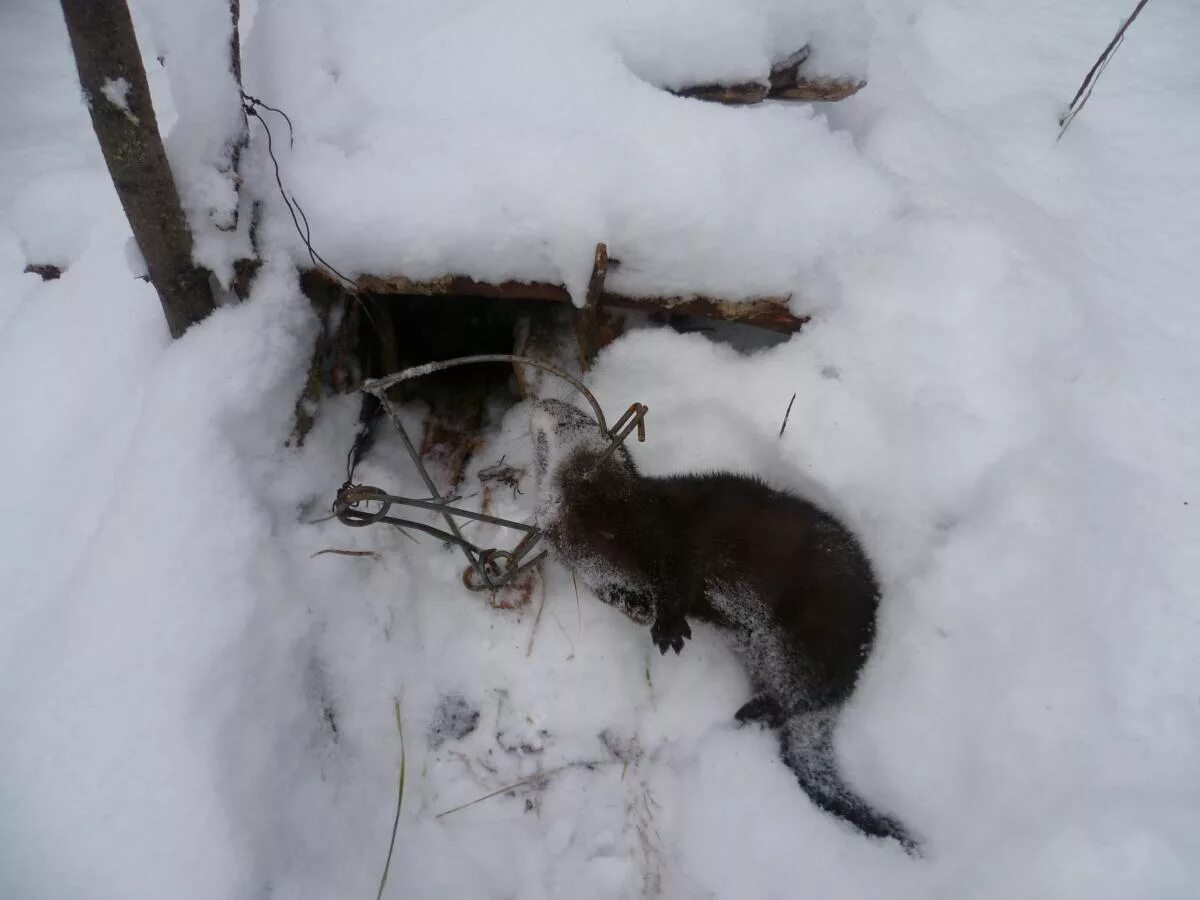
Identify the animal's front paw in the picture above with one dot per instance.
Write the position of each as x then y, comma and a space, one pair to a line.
670, 633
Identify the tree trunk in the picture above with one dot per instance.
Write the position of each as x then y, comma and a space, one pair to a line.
242, 141
118, 98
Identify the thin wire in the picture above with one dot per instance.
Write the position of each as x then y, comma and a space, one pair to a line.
293, 206
379, 386
254, 101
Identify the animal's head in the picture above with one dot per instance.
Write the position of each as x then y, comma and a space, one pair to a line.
584, 495
571, 457
559, 429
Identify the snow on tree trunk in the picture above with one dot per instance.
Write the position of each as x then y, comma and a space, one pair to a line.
118, 98
199, 47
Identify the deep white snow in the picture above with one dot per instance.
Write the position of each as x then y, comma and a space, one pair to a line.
998, 391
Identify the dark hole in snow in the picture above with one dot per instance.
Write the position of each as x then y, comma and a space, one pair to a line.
425, 329
48, 271
399, 330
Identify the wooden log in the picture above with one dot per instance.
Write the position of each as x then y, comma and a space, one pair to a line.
458, 285
785, 82
114, 82
789, 83
761, 312
820, 90
744, 94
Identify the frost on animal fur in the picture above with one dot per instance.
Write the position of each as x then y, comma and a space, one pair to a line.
781, 579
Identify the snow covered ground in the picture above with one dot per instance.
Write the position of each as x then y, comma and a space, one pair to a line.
998, 390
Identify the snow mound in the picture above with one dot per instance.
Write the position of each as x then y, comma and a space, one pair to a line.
997, 395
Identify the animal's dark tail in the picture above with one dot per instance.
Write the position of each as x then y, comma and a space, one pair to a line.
807, 743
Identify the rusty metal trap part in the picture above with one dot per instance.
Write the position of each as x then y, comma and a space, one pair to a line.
493, 568
360, 505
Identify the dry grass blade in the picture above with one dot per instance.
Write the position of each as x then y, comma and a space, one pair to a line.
537, 620
532, 779
578, 607
399, 802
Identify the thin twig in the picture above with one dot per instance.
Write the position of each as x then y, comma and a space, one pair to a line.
786, 414
406, 534
566, 635
318, 521
532, 779
399, 802
1089, 81
368, 554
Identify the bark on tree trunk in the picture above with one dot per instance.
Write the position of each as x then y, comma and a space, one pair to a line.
242, 141
118, 98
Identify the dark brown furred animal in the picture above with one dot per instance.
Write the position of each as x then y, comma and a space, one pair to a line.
784, 580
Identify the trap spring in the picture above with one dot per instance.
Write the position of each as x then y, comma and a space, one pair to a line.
358, 505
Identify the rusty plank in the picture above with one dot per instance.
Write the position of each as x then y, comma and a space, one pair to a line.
770, 312
762, 312
462, 286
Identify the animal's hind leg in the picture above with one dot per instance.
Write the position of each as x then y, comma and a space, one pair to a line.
762, 707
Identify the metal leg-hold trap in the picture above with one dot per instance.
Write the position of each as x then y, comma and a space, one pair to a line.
491, 568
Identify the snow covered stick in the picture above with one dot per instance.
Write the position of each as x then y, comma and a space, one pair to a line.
118, 98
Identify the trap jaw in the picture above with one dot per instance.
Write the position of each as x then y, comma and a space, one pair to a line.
491, 568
